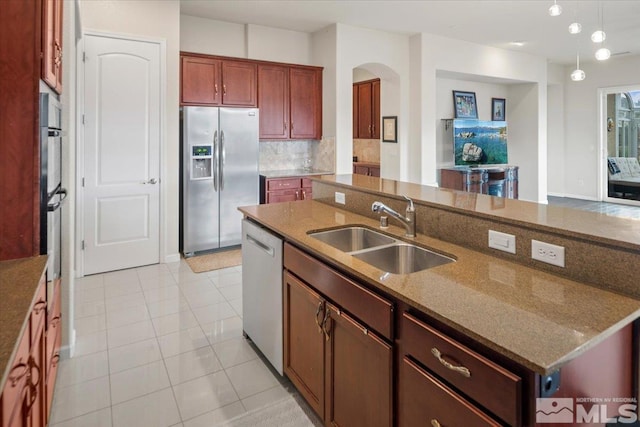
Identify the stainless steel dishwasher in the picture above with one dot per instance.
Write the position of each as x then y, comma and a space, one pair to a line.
262, 291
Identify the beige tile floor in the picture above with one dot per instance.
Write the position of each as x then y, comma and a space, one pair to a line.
161, 346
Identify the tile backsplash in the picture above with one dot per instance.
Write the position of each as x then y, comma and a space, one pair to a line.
367, 150
287, 155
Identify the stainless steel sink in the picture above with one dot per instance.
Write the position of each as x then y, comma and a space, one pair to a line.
402, 258
383, 252
352, 239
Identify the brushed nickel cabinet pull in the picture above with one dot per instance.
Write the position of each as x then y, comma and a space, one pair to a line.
224, 89
318, 312
435, 423
465, 372
324, 324
215, 88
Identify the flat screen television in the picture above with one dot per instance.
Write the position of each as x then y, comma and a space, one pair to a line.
478, 142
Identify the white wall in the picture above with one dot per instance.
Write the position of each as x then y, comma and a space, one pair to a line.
208, 36
201, 35
158, 19
582, 159
440, 54
361, 75
324, 50
387, 56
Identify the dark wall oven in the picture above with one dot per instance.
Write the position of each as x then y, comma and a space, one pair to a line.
52, 194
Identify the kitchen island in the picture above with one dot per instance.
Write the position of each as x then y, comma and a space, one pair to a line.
528, 319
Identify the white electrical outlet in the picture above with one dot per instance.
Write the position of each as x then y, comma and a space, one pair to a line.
546, 252
340, 198
502, 241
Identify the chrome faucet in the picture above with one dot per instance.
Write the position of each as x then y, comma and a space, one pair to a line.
409, 221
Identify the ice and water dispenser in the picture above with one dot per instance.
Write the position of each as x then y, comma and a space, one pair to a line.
201, 162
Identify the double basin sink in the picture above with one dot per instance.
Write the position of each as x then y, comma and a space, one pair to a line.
381, 251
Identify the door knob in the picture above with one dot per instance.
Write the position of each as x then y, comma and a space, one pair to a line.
151, 181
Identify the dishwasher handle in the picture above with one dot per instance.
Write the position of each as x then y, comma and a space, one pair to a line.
268, 249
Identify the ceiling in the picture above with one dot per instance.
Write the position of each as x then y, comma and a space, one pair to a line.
488, 22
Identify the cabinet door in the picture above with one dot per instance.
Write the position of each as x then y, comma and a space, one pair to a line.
304, 341
364, 111
239, 84
375, 110
305, 101
359, 373
11, 400
200, 81
273, 101
354, 97
52, 43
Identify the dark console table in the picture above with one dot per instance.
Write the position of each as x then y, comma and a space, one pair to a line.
501, 181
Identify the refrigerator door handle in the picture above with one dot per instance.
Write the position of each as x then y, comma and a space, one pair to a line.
223, 159
215, 162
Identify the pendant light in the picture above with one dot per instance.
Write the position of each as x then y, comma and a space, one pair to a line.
555, 9
599, 36
603, 53
578, 75
575, 27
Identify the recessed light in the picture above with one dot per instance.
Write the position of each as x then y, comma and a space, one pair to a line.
555, 9
519, 44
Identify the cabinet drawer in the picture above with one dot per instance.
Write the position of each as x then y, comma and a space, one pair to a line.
282, 184
425, 401
489, 384
373, 310
283, 196
306, 183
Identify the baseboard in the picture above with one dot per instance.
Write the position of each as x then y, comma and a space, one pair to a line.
172, 258
556, 194
66, 351
581, 197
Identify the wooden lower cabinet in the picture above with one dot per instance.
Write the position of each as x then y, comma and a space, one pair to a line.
289, 189
342, 368
359, 374
304, 341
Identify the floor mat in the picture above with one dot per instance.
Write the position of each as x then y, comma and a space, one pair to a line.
215, 260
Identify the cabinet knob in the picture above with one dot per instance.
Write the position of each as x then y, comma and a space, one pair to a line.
435, 423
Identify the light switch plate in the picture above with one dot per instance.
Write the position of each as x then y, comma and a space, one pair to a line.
340, 198
502, 241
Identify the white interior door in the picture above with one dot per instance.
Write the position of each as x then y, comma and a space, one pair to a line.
121, 201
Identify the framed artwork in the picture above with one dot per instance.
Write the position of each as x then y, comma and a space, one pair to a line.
390, 129
498, 109
464, 105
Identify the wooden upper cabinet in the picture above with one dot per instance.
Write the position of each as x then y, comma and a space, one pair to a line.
52, 43
212, 81
305, 87
273, 101
200, 81
375, 109
239, 83
366, 109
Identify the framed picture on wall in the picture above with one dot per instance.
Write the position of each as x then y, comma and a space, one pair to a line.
390, 129
498, 109
464, 105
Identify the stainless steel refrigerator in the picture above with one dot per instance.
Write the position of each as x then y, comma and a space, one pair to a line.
219, 173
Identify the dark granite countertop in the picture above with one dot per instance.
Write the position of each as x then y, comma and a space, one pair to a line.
19, 280
539, 320
293, 172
